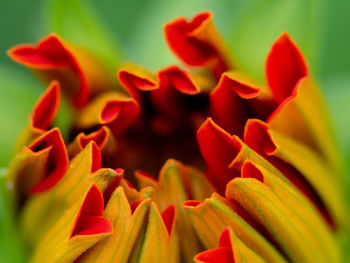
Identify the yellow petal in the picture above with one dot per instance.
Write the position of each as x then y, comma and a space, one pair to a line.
42, 210
178, 183
159, 245
214, 214
118, 246
290, 231
310, 126
69, 237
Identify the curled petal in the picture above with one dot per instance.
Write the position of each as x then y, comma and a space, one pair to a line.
113, 109
40, 166
102, 137
197, 43
42, 116
80, 75
218, 149
135, 79
90, 220
46, 108
235, 99
297, 118
221, 254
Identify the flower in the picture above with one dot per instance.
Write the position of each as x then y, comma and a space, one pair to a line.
271, 190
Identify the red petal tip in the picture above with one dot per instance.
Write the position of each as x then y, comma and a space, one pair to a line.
46, 107
90, 220
168, 216
257, 136
179, 79
284, 67
58, 158
249, 170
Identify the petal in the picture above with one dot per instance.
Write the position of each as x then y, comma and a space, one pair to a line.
80, 75
299, 163
235, 99
297, 118
102, 137
221, 254
218, 149
78, 229
302, 207
39, 167
176, 184
234, 250
290, 232
119, 245
42, 210
135, 79
112, 109
210, 217
158, 245
285, 66
197, 43
46, 107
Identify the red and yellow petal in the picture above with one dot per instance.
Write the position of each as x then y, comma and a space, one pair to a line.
81, 76
79, 228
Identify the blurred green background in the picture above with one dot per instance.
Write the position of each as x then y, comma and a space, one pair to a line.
132, 30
